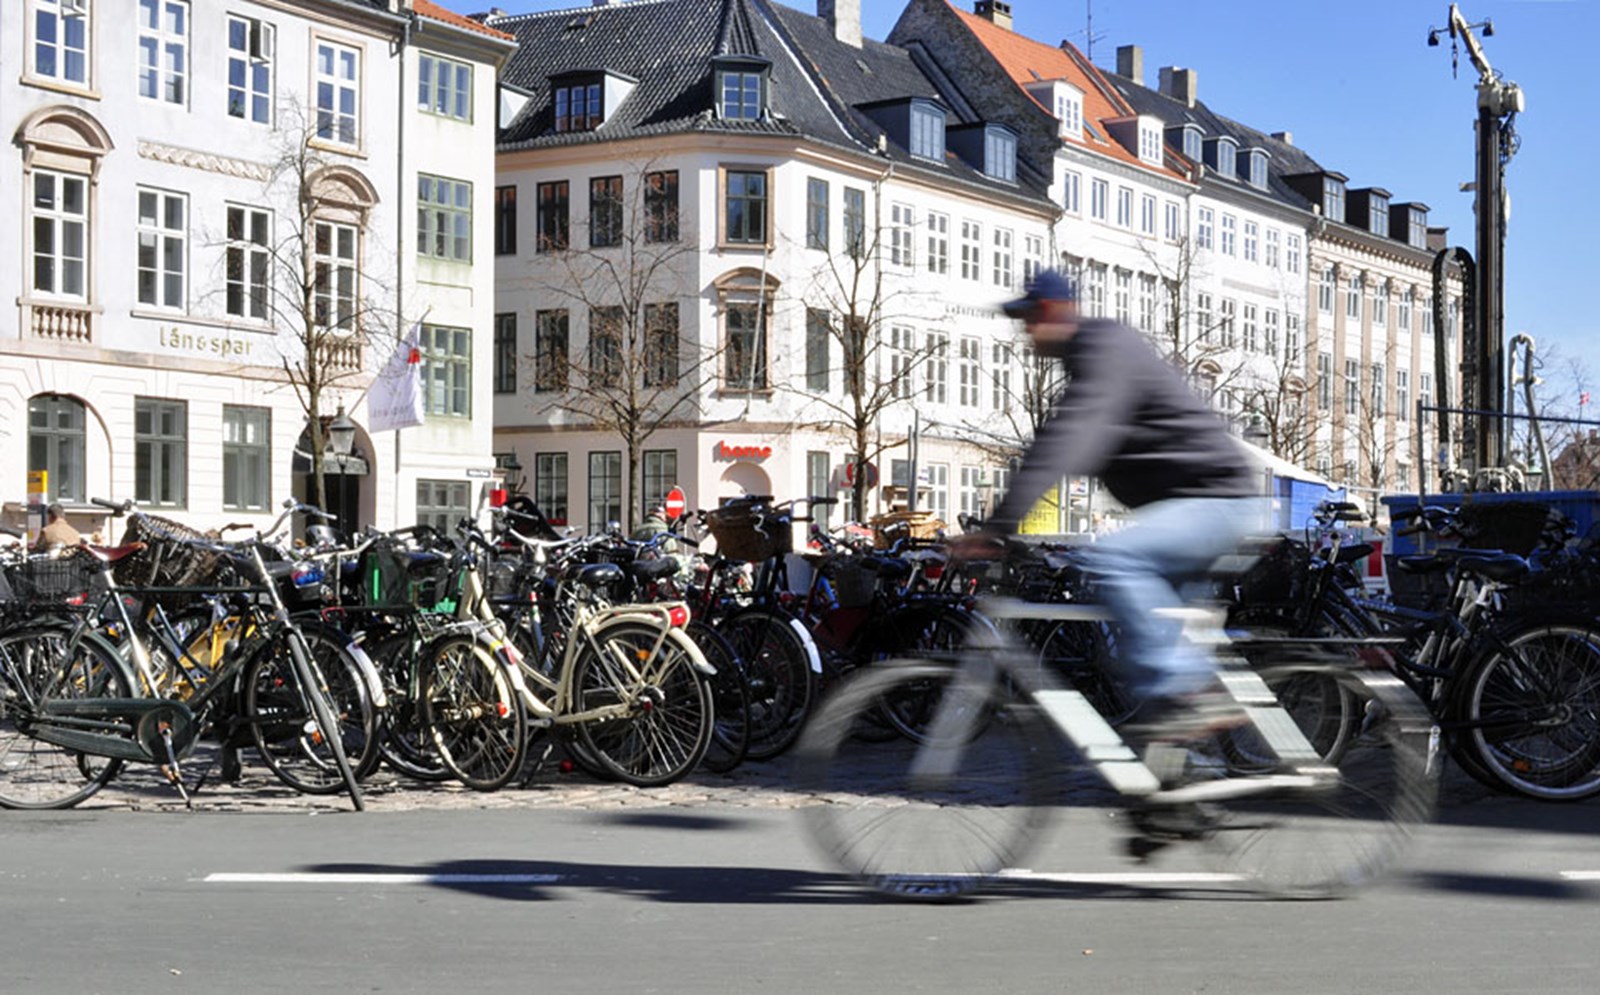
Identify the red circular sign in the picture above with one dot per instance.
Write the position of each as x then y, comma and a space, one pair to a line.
674, 504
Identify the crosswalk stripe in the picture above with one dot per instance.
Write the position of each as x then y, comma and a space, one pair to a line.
341, 877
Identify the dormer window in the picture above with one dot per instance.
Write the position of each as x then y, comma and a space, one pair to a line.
1000, 154
742, 88
1258, 168
1190, 142
1069, 108
1378, 214
927, 131
1149, 142
1227, 157
579, 107
1417, 233
1332, 198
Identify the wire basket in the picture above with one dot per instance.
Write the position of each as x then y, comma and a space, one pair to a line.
747, 532
890, 528
854, 583
52, 580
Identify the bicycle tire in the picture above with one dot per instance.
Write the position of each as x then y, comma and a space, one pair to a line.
1551, 671
925, 838
471, 712
1354, 820
730, 700
922, 633
1320, 703
38, 662
781, 684
666, 732
402, 740
288, 714
1083, 654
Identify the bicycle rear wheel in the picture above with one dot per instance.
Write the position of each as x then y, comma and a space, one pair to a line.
1340, 822
282, 710
931, 820
1532, 713
730, 732
40, 664
669, 719
781, 683
471, 712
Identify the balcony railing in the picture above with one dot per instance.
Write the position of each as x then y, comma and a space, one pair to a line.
342, 353
61, 322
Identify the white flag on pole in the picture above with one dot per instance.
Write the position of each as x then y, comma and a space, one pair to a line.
395, 400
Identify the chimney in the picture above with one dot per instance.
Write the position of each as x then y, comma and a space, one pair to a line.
1179, 84
1286, 137
997, 12
1130, 63
844, 17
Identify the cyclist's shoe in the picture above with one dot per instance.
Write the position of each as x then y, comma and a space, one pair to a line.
1158, 826
1184, 718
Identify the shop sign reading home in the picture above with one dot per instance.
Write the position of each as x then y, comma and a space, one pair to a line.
727, 452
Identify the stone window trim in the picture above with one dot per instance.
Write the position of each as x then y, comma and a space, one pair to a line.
356, 148
747, 286
723, 169
64, 140
32, 77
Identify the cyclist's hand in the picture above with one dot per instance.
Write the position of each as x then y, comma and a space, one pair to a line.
977, 546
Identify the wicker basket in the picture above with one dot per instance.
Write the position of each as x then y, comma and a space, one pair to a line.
166, 561
896, 525
747, 532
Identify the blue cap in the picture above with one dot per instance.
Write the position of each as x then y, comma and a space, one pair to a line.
1046, 285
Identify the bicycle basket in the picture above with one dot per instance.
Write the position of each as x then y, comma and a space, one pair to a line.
52, 580
747, 532
853, 583
167, 560
896, 525
1277, 575
391, 576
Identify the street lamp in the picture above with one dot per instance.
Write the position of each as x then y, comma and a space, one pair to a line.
341, 439
1255, 433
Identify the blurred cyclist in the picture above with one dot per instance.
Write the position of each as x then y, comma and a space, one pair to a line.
1129, 418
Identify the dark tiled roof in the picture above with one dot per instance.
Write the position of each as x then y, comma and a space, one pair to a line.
1284, 159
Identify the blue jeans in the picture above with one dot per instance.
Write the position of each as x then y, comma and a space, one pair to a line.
1135, 569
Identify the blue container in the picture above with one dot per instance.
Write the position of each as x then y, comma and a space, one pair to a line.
1583, 507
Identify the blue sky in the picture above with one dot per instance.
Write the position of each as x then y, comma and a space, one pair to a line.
1362, 92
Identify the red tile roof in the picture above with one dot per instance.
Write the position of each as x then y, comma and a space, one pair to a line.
1028, 61
434, 12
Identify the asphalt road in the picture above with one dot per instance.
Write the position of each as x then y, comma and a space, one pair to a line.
722, 897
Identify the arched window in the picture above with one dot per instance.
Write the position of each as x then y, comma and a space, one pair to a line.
56, 444
62, 148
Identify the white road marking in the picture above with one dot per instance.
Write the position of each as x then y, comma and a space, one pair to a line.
1581, 875
1121, 877
339, 877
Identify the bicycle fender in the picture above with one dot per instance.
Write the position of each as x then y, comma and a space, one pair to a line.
697, 659
809, 643
369, 674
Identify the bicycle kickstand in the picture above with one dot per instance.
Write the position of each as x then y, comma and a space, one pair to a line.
171, 769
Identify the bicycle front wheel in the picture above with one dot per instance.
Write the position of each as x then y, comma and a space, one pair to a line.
780, 682
669, 715
43, 664
935, 819
1531, 713
730, 699
471, 712
296, 742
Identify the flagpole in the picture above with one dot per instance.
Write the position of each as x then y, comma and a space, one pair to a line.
397, 432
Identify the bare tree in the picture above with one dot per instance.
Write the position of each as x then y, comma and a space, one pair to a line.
1282, 403
637, 374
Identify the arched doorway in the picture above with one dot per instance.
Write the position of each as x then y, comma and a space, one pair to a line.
741, 479
350, 499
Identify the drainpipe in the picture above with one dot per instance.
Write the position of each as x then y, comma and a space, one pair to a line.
399, 243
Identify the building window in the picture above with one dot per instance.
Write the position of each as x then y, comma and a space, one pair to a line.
741, 96
969, 375
1174, 218
252, 45
1150, 143
746, 207
746, 347
1094, 290
659, 474
1380, 305
1147, 214
578, 108
1069, 108
938, 243
661, 344
605, 490
1325, 381
1205, 226
1147, 302
1227, 159
1291, 253
1325, 290
61, 40
927, 132
1032, 258
333, 260
1273, 239
1099, 199
1424, 390
605, 346
550, 486
661, 206
1378, 215
444, 218
1003, 274
902, 221
1228, 324
163, 49
1000, 376
1205, 316
1332, 199
441, 504
819, 483
1252, 242
56, 444
1291, 338
816, 213
1251, 343
1122, 296
550, 351
605, 212
1352, 306
1402, 395
1417, 231
246, 458
937, 366
819, 326
248, 263
60, 234
1377, 390
1000, 155
1352, 387
971, 250
505, 353
1426, 313
447, 371
1124, 207
338, 93
163, 248
1071, 188
505, 221
855, 222
160, 452
1402, 310
1229, 229
444, 87
553, 216
1258, 169
901, 354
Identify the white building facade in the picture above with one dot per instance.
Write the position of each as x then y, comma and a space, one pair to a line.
152, 183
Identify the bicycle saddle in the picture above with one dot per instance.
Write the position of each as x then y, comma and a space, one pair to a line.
111, 554
1502, 566
1353, 552
597, 574
887, 567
